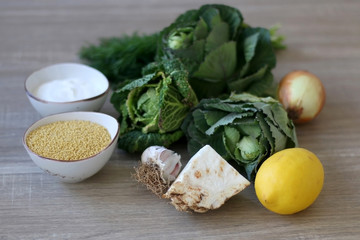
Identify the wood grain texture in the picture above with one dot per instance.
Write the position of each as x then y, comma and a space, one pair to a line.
322, 37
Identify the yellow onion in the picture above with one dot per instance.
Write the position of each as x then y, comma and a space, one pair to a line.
302, 95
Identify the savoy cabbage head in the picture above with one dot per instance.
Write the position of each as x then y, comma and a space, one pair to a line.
153, 107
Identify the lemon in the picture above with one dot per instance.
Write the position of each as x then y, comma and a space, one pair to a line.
289, 181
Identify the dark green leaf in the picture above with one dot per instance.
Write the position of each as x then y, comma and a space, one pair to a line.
212, 117
192, 56
279, 137
250, 98
217, 37
201, 30
266, 131
241, 84
136, 141
228, 14
264, 53
200, 120
216, 142
137, 83
196, 134
281, 118
219, 64
230, 107
193, 146
263, 86
204, 88
211, 16
225, 121
250, 44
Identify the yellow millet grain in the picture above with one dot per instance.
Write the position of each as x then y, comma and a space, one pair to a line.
68, 140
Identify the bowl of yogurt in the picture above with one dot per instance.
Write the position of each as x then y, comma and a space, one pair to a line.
66, 87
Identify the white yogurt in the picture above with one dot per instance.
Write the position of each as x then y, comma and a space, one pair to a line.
67, 90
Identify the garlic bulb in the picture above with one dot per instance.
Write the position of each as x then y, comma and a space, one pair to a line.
167, 161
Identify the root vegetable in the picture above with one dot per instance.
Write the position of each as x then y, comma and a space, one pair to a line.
206, 182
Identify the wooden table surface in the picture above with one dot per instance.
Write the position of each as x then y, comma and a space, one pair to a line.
322, 37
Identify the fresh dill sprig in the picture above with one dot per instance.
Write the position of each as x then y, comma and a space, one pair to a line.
121, 58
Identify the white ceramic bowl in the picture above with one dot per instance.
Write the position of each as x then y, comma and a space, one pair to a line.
66, 71
76, 171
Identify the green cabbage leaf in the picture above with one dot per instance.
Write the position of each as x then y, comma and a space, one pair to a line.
244, 129
221, 52
153, 107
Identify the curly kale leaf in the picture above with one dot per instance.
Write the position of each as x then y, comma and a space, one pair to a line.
137, 141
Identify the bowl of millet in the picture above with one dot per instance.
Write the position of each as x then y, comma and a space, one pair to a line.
72, 146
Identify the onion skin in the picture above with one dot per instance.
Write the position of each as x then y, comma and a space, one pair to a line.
302, 94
